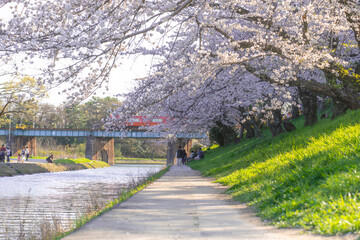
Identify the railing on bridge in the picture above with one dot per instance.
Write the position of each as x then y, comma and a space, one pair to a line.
93, 133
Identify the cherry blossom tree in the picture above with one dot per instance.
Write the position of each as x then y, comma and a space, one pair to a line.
265, 59
215, 60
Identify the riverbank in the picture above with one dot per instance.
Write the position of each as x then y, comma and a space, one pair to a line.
123, 196
34, 206
183, 205
307, 179
12, 169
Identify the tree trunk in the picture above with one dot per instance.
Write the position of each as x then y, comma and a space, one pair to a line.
338, 108
250, 132
256, 126
294, 112
275, 126
309, 103
241, 133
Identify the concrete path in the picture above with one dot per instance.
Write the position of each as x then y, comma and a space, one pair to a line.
183, 205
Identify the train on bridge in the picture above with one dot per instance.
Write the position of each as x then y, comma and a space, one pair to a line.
144, 121
135, 121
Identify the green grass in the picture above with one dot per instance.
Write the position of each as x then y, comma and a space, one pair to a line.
86, 163
12, 169
140, 159
70, 160
309, 178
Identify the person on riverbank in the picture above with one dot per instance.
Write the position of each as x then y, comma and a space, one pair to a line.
199, 154
19, 158
23, 154
3, 148
27, 153
192, 155
8, 154
50, 159
2, 156
179, 155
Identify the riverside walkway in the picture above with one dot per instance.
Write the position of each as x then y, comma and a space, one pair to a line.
183, 205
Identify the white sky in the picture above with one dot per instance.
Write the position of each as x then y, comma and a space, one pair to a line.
121, 79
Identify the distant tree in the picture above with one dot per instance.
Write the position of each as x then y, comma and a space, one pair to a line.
48, 116
97, 109
139, 148
19, 98
75, 117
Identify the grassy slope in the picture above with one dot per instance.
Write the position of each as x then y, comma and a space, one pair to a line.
309, 178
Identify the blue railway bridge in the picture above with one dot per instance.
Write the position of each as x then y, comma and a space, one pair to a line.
99, 143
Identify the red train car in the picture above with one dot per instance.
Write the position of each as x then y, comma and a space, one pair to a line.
143, 121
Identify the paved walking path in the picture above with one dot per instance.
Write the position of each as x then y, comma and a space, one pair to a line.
183, 205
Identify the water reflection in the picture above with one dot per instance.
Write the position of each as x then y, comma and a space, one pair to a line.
30, 201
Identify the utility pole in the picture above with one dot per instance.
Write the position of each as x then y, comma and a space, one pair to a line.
9, 140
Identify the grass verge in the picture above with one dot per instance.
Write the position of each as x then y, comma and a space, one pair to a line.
309, 178
12, 169
124, 196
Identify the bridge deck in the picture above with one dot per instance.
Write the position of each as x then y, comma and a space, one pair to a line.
93, 133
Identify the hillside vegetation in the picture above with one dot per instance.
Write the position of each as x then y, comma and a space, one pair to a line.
308, 178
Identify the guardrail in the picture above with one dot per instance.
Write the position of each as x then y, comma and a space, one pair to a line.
93, 133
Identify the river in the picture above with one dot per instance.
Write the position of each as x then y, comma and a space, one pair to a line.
30, 205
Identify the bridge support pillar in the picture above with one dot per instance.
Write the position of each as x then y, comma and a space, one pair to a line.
173, 146
19, 142
100, 149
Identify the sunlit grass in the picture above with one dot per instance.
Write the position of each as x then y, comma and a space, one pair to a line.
308, 178
70, 160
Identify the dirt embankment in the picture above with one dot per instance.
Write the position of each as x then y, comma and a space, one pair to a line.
11, 169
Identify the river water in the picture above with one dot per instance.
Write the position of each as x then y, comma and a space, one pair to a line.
30, 205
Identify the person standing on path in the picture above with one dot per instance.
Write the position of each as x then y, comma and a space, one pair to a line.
179, 156
184, 157
27, 153
22, 154
8, 154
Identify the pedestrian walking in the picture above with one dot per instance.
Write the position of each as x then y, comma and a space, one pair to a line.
179, 155
184, 157
19, 158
